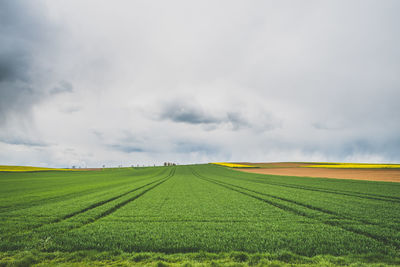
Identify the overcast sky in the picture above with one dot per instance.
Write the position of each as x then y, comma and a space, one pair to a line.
96, 82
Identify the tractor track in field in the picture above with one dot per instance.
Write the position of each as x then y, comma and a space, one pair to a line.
100, 203
122, 204
322, 210
191, 221
323, 190
310, 206
64, 197
119, 205
283, 207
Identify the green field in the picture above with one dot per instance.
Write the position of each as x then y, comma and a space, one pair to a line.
194, 215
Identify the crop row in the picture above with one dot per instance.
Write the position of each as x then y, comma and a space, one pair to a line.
187, 213
207, 208
327, 209
59, 217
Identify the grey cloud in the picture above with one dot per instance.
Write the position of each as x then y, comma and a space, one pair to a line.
126, 148
126, 142
339, 148
326, 126
237, 120
98, 134
22, 32
190, 147
70, 109
13, 61
63, 87
358, 146
388, 148
22, 141
297, 81
179, 112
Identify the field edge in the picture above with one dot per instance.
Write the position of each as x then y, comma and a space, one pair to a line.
236, 258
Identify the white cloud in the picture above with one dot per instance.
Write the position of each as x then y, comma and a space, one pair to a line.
147, 82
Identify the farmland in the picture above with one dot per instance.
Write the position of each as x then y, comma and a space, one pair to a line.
195, 214
233, 165
359, 171
353, 166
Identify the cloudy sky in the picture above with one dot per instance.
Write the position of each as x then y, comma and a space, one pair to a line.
98, 82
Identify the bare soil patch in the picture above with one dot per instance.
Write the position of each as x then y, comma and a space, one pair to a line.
385, 175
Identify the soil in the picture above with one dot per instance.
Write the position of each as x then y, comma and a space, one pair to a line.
385, 175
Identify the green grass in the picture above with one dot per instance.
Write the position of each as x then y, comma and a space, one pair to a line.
195, 215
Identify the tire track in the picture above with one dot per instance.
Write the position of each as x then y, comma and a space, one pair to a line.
64, 197
283, 207
190, 221
122, 204
100, 203
339, 216
103, 202
338, 192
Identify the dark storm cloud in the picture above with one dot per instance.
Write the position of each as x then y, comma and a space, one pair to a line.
22, 32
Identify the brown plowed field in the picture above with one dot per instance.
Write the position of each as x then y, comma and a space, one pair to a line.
385, 175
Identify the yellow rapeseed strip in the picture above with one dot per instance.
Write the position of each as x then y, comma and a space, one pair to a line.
28, 169
353, 166
233, 165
